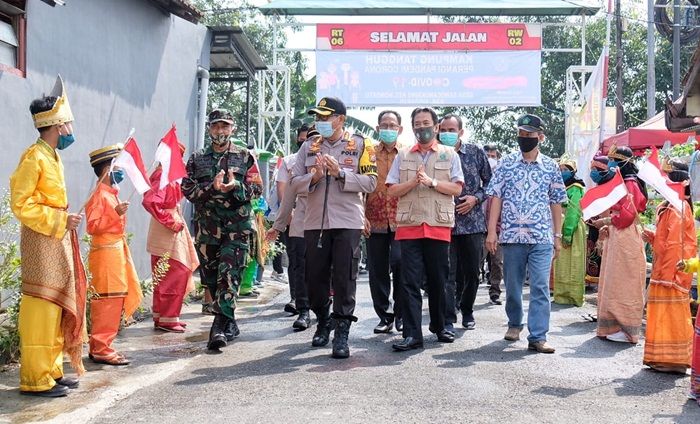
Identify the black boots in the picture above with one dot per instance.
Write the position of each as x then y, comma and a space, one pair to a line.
303, 321
341, 350
217, 334
231, 330
323, 329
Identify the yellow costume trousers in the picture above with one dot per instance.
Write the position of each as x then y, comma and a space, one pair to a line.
40, 343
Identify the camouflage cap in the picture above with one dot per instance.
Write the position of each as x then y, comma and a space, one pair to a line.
220, 115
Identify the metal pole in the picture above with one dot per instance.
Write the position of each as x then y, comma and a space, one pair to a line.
676, 48
247, 111
604, 95
620, 121
651, 63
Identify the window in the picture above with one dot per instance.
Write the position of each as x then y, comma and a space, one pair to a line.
12, 37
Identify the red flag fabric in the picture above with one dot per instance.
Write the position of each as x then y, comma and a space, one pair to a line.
601, 198
131, 162
169, 155
651, 173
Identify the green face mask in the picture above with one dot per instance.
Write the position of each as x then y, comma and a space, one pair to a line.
449, 138
388, 136
424, 135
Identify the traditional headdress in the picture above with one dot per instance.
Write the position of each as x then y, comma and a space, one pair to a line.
568, 161
60, 113
621, 154
104, 154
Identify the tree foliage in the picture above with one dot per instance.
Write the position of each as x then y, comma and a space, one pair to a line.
496, 124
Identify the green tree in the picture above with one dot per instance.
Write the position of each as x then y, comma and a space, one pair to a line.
496, 124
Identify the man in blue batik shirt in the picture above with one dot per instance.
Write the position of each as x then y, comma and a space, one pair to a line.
469, 232
527, 191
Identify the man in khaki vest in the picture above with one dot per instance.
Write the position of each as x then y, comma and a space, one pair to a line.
425, 178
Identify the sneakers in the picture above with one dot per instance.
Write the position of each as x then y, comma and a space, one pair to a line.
619, 337
495, 300
513, 334
540, 346
278, 276
468, 322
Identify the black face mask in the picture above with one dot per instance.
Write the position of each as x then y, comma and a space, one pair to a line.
526, 144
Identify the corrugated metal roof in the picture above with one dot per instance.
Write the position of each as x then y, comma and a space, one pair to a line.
181, 8
440, 8
231, 51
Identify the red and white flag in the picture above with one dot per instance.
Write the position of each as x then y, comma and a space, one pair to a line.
169, 155
650, 172
131, 162
601, 198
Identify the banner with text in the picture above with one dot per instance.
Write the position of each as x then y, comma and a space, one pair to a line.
460, 37
484, 78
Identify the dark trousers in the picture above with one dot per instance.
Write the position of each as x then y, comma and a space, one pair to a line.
277, 260
383, 257
337, 259
465, 265
418, 258
296, 251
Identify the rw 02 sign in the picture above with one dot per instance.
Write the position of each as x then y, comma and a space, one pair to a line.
430, 78
460, 37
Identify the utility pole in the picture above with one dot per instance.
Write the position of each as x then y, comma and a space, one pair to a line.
620, 122
676, 48
651, 63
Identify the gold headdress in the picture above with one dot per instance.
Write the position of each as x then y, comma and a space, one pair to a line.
612, 154
105, 153
60, 113
567, 160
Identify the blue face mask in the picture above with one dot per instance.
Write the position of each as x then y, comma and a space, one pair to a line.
325, 128
64, 141
567, 175
388, 136
597, 176
116, 177
612, 164
448, 138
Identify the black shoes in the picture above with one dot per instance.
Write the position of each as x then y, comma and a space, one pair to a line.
409, 343
56, 391
468, 321
303, 321
445, 336
323, 331
495, 300
217, 335
71, 383
384, 326
398, 324
231, 331
291, 308
341, 350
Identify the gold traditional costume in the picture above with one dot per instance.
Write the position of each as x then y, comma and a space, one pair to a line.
52, 309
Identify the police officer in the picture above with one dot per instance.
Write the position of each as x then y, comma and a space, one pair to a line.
220, 183
334, 168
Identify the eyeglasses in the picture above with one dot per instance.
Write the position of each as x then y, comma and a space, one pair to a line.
389, 127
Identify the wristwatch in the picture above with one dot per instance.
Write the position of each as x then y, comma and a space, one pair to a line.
558, 235
434, 183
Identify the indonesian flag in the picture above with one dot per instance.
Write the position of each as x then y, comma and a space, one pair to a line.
650, 172
601, 198
170, 157
131, 162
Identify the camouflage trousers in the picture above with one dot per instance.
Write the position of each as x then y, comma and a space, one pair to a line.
221, 270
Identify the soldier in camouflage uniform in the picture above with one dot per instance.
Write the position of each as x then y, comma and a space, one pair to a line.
221, 180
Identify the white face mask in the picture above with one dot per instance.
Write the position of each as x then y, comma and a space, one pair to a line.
493, 163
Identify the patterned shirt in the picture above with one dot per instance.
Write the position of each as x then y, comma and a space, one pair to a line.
477, 174
527, 190
380, 208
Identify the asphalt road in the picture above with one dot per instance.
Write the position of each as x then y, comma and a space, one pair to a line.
272, 374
